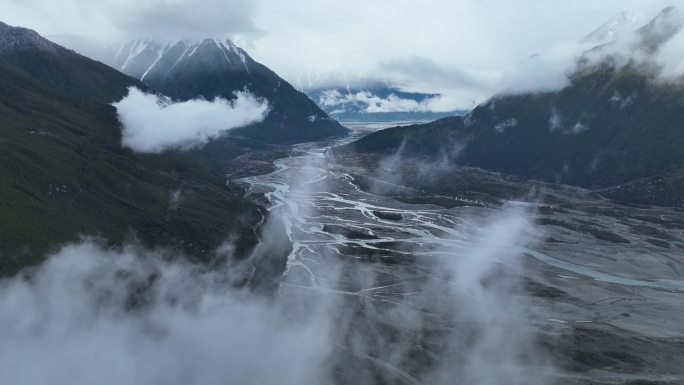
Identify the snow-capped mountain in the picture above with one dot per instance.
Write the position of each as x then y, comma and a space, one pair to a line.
139, 58
614, 127
649, 37
379, 104
342, 96
212, 68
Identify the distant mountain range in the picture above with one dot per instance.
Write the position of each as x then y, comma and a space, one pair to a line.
615, 128
357, 99
378, 104
209, 68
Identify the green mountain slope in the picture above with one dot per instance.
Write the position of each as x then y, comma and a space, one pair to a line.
609, 129
60, 70
65, 174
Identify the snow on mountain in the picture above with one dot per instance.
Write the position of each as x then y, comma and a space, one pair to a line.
608, 31
648, 38
316, 81
142, 57
210, 68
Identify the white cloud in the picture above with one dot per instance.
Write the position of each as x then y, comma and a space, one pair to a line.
670, 56
545, 72
510, 123
579, 127
655, 49
419, 47
152, 125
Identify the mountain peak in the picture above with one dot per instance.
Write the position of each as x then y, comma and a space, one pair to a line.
609, 30
212, 67
141, 58
661, 28
18, 38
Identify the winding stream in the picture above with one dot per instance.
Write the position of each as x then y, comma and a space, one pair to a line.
313, 194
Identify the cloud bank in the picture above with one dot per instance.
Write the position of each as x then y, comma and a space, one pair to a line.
466, 50
651, 42
152, 125
654, 47
541, 73
93, 315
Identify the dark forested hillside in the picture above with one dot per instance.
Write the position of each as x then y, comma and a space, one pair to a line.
613, 128
65, 173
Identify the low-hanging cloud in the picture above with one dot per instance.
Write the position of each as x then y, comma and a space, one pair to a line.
540, 73
372, 103
655, 48
152, 125
92, 315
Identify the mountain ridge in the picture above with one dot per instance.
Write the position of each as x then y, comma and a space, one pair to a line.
66, 174
209, 68
616, 128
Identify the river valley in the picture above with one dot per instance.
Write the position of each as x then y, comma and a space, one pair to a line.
578, 291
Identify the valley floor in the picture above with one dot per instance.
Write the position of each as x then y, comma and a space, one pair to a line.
472, 274
367, 270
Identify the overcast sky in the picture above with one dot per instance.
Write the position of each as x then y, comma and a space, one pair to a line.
426, 45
